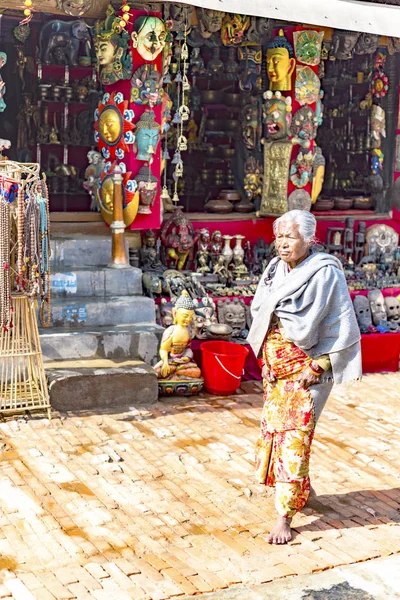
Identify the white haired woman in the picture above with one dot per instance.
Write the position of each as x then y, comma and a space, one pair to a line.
305, 331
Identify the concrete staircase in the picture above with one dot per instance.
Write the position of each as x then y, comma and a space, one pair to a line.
103, 337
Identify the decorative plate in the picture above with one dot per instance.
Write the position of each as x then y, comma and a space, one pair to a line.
380, 84
307, 86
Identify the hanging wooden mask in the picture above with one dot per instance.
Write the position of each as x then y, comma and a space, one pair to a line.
114, 126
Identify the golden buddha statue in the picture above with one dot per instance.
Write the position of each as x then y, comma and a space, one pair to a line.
280, 63
176, 362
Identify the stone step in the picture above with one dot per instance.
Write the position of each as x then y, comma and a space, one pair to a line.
138, 342
89, 385
68, 253
77, 312
96, 282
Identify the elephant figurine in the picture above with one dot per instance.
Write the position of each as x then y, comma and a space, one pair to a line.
65, 35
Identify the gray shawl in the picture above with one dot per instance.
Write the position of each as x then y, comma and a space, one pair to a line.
314, 306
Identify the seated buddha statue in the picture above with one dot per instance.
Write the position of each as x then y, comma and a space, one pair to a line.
176, 356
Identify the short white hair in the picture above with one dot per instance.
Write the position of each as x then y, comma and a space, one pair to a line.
305, 221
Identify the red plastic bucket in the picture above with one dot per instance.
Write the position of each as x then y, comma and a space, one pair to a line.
222, 366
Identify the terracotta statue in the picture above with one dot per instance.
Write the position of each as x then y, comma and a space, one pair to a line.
111, 42
280, 63
178, 236
147, 136
277, 116
149, 36
176, 356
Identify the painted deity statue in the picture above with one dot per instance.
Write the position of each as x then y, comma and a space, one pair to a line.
111, 42
179, 238
176, 356
149, 36
147, 136
280, 63
277, 116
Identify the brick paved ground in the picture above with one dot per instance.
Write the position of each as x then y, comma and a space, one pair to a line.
159, 503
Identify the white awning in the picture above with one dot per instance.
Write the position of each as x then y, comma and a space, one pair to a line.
383, 19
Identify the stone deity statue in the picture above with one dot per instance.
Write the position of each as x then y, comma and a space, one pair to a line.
363, 314
378, 310
175, 353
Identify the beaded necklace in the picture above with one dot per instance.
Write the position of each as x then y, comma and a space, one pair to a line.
5, 286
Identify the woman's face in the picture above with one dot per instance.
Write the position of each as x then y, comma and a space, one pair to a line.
290, 245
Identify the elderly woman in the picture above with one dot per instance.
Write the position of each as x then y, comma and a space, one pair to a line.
305, 332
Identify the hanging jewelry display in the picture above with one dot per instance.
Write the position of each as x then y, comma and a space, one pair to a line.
25, 269
5, 286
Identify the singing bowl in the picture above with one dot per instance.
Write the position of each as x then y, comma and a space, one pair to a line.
232, 99
211, 96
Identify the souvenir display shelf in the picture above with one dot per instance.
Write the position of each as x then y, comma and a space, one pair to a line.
64, 101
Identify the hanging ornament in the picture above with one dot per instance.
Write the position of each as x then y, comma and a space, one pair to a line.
28, 12
182, 143
166, 154
379, 84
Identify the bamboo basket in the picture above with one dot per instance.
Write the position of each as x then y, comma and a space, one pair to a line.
23, 384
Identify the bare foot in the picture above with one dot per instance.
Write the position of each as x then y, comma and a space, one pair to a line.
281, 533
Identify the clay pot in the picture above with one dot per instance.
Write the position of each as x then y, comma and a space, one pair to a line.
219, 206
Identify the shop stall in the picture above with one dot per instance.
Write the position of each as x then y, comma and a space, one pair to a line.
218, 122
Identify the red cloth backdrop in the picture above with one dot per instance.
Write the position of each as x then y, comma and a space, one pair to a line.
152, 221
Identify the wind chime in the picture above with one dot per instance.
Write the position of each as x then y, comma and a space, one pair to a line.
24, 277
182, 113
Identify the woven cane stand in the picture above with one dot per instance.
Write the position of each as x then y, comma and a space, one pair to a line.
23, 383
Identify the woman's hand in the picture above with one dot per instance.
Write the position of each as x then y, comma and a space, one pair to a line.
307, 378
267, 374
